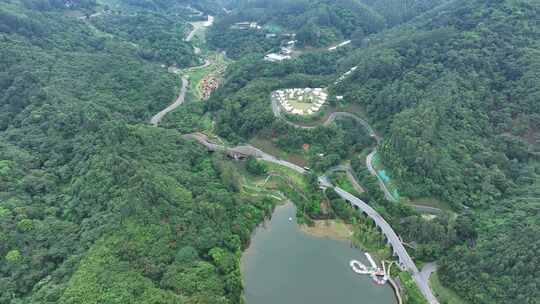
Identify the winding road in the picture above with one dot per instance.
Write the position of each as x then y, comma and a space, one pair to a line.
405, 261
199, 25
350, 175
427, 270
156, 119
242, 151
276, 108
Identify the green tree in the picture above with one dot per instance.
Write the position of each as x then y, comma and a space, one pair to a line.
13, 256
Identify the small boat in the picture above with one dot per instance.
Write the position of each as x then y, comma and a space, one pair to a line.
358, 267
378, 275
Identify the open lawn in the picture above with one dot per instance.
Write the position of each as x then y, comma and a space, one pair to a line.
341, 180
334, 229
325, 112
258, 185
301, 105
296, 178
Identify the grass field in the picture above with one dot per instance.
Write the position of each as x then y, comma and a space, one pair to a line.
341, 180
256, 185
334, 229
321, 116
296, 178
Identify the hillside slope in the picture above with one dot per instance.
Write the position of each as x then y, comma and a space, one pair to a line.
457, 92
97, 206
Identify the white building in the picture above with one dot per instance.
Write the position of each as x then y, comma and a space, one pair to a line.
273, 57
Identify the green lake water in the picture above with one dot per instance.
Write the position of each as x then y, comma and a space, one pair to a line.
284, 265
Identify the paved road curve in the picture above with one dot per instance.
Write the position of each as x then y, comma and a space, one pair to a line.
369, 163
427, 270
276, 108
156, 119
242, 151
404, 258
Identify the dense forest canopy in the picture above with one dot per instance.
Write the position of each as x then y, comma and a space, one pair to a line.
316, 23
158, 37
97, 206
455, 92
399, 11
87, 188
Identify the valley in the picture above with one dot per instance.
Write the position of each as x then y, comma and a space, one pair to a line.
150, 152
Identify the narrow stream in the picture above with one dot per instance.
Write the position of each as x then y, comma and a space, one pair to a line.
285, 265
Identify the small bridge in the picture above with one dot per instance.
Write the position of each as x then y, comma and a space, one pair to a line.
238, 152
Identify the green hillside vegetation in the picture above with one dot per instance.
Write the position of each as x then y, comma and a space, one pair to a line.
396, 12
189, 7
316, 23
96, 206
158, 37
454, 93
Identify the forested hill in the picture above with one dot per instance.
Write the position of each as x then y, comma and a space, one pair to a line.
214, 7
398, 11
457, 92
316, 24
96, 206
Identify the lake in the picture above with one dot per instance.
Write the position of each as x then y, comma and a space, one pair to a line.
285, 265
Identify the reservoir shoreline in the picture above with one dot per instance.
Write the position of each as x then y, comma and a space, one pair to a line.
283, 264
